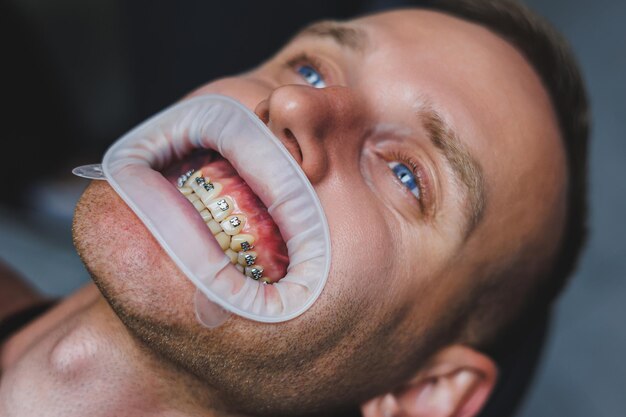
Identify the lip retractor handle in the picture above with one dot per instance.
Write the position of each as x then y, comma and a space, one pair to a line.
91, 172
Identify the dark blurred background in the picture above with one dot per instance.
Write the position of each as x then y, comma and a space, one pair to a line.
79, 74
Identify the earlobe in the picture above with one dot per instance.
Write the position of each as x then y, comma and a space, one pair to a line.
456, 382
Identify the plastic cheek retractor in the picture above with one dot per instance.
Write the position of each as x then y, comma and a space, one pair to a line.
132, 164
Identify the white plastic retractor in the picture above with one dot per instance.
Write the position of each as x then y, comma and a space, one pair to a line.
132, 167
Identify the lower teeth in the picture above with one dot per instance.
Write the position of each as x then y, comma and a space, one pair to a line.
226, 226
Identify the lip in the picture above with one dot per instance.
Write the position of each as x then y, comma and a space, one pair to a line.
220, 123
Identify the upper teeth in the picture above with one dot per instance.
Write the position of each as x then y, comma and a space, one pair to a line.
222, 208
233, 224
254, 272
246, 258
222, 205
226, 227
183, 178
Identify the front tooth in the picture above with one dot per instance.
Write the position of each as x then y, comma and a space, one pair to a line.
192, 179
221, 208
207, 191
223, 239
242, 242
255, 272
232, 255
239, 268
246, 258
206, 215
199, 205
214, 227
186, 190
196, 202
232, 225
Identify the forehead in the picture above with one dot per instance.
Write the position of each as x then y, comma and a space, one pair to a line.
479, 80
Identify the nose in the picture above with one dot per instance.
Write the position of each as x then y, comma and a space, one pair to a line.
315, 125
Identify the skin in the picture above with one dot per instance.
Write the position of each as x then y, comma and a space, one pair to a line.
401, 271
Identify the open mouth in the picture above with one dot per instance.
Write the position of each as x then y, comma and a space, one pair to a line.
233, 214
239, 220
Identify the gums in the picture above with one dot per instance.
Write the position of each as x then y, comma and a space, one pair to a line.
269, 246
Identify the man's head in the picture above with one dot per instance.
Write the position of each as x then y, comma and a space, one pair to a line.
438, 154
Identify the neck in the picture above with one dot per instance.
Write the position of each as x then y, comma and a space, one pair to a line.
133, 377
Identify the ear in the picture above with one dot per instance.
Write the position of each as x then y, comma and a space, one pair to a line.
456, 382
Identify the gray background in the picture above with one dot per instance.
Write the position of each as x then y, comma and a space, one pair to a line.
582, 372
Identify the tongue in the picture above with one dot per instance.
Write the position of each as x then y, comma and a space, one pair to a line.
269, 245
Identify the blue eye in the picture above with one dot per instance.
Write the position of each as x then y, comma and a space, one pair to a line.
311, 76
406, 177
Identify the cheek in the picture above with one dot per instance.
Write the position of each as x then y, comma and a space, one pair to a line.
363, 247
125, 260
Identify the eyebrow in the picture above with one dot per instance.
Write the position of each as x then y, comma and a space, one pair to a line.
466, 169
342, 34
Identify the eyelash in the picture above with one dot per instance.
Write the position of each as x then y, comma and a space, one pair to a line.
417, 172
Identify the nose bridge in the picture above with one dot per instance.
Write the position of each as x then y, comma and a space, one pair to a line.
314, 123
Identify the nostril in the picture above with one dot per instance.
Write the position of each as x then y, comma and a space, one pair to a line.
289, 135
262, 111
292, 144
265, 117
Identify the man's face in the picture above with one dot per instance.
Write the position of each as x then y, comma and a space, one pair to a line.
478, 149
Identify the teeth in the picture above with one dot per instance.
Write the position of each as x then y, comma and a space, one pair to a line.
255, 272
214, 227
183, 178
242, 242
221, 208
203, 186
223, 239
198, 182
232, 255
207, 191
233, 224
185, 190
191, 180
225, 227
206, 215
246, 258
196, 202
